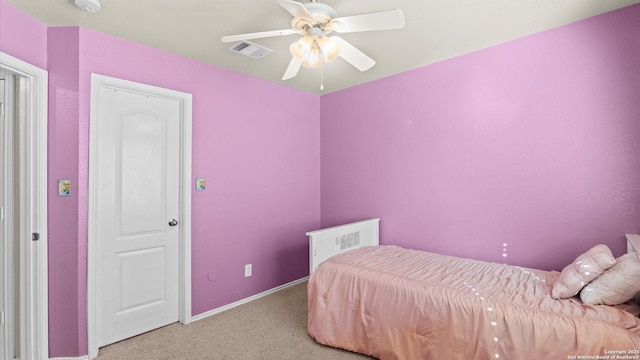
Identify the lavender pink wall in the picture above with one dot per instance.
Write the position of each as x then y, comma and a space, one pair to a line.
22, 36
67, 258
533, 144
260, 158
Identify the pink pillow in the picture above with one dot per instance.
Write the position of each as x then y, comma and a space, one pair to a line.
615, 286
582, 270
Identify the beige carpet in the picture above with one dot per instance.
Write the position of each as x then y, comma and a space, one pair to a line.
273, 327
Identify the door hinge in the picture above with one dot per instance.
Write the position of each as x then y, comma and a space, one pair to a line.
35, 236
1, 213
1, 109
2, 321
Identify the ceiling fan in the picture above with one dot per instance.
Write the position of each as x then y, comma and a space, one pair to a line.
314, 21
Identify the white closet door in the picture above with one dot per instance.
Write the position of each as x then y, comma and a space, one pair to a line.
137, 200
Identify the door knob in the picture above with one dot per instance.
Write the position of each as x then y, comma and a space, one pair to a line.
173, 222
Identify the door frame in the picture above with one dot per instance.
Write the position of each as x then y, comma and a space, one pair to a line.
34, 322
185, 99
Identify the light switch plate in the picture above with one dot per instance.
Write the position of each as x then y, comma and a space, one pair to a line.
200, 184
64, 187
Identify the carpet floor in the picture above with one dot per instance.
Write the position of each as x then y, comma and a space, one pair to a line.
273, 327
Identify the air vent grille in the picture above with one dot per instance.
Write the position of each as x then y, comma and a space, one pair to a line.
250, 49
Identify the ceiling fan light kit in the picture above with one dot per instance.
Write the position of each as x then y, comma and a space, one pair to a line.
314, 21
313, 52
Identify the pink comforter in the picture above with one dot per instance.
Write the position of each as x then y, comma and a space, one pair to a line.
394, 303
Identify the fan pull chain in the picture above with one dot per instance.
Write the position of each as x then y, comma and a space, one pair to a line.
321, 69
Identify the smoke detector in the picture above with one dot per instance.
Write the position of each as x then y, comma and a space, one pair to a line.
91, 6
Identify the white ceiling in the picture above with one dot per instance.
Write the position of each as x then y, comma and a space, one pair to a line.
435, 30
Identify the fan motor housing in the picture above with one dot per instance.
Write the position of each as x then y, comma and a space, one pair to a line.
321, 13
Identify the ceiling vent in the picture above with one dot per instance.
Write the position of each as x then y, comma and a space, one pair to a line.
250, 49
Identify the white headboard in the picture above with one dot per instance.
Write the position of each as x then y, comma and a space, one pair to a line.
633, 246
328, 242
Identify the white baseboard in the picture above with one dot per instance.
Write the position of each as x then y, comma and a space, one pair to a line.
246, 300
85, 357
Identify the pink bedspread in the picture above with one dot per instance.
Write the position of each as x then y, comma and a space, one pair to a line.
394, 303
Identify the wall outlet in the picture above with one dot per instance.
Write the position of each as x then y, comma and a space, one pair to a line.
247, 270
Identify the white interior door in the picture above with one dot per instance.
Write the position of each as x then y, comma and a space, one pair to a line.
137, 203
24, 227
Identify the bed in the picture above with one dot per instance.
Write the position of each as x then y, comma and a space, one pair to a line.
396, 303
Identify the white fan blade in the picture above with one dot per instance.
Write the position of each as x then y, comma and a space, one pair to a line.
383, 20
292, 69
257, 35
296, 9
354, 56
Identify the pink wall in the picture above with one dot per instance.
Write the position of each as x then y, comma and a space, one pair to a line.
66, 295
22, 36
260, 158
533, 144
